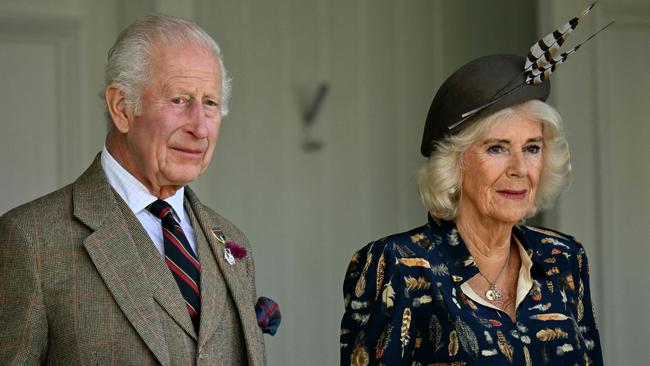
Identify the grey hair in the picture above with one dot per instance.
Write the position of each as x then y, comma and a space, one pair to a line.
128, 59
439, 180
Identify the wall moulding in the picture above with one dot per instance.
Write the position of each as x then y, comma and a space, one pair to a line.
64, 36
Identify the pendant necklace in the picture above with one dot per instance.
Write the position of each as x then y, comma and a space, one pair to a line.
493, 293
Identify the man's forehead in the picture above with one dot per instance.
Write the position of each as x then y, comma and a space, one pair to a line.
173, 54
185, 59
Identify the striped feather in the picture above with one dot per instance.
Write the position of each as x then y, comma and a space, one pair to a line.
505, 348
537, 75
404, 330
548, 334
544, 50
381, 266
360, 288
581, 305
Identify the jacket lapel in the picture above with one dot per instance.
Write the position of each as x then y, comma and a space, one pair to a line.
236, 276
113, 251
164, 288
213, 300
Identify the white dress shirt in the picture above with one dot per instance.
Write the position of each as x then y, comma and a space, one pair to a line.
137, 197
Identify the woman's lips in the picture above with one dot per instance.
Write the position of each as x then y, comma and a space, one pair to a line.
515, 194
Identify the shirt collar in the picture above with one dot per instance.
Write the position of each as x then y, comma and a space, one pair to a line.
542, 245
136, 196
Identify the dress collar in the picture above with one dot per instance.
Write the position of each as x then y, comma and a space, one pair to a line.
460, 262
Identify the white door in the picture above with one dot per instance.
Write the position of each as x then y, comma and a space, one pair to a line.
51, 60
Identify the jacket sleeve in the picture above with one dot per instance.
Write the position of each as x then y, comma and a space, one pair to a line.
585, 311
376, 327
23, 335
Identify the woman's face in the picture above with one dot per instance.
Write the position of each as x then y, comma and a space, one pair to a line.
501, 171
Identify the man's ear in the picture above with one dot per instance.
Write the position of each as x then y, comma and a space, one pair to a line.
118, 108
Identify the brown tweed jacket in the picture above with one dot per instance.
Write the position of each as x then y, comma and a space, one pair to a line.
83, 285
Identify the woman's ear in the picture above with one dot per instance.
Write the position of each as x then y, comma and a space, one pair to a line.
119, 110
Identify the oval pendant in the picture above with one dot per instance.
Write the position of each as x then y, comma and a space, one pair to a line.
492, 294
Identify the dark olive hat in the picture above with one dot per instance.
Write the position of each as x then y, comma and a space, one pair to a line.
489, 84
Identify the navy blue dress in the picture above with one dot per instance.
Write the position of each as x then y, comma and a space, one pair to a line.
404, 305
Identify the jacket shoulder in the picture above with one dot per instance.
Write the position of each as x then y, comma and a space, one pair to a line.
50, 205
403, 245
389, 251
550, 239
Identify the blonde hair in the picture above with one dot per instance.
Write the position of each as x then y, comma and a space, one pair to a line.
439, 180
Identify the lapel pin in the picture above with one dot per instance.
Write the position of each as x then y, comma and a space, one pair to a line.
232, 251
227, 255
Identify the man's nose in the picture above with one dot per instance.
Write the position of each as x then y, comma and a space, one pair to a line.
199, 120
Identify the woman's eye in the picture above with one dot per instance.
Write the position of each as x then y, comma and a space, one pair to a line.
533, 149
495, 149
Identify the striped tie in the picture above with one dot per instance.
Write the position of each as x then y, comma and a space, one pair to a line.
180, 259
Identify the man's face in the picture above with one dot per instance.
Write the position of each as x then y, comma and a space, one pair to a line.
170, 143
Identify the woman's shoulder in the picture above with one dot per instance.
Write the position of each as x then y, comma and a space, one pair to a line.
550, 240
414, 248
407, 244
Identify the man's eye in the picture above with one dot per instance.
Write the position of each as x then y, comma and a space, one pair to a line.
178, 100
495, 149
211, 103
533, 149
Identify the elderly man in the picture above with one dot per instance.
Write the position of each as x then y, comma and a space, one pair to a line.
125, 266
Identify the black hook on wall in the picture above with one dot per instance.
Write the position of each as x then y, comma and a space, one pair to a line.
309, 117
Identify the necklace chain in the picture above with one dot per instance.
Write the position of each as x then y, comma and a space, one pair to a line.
493, 293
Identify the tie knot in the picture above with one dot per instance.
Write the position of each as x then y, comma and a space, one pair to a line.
160, 208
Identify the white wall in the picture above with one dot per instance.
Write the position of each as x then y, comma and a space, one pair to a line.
602, 94
306, 212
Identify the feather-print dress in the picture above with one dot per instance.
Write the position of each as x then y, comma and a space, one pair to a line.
415, 313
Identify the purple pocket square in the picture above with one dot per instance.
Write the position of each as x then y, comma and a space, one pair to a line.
268, 315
